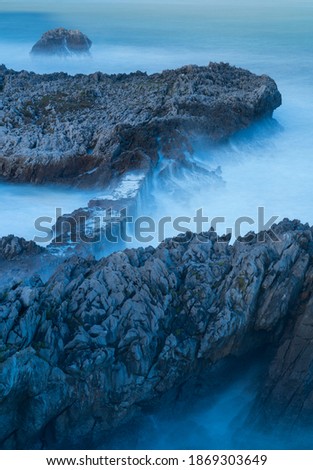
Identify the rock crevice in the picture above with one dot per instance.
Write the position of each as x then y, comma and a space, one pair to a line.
61, 41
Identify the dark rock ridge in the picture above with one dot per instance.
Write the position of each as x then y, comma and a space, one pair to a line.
286, 401
12, 247
21, 259
62, 41
81, 353
87, 130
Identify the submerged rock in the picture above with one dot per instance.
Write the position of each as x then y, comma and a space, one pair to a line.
62, 41
82, 353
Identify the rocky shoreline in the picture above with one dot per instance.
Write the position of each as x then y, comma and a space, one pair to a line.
85, 344
109, 132
86, 130
87, 349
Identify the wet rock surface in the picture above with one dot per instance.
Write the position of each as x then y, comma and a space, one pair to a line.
82, 352
61, 41
88, 130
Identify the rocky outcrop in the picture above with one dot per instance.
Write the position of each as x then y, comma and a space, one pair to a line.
286, 402
21, 260
88, 348
61, 41
12, 247
87, 130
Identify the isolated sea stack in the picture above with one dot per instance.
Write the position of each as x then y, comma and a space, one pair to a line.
62, 41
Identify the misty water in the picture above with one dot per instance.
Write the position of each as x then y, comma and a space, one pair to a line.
269, 165
214, 412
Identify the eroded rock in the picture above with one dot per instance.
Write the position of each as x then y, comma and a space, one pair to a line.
61, 41
89, 129
88, 348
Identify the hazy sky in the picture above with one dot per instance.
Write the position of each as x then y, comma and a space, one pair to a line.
57, 5
61, 4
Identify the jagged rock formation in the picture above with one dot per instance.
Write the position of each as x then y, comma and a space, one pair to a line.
83, 352
87, 130
21, 259
286, 403
12, 247
61, 41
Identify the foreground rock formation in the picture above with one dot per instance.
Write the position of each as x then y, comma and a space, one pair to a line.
88, 130
83, 352
62, 41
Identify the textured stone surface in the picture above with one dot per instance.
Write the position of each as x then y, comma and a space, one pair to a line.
12, 247
61, 41
286, 403
87, 130
82, 352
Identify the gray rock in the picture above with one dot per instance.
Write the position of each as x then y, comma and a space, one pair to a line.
84, 351
62, 41
88, 130
12, 247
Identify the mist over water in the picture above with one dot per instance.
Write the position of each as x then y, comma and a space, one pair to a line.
269, 165
211, 421
215, 412
21, 205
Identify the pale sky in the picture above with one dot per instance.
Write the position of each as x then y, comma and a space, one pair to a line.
57, 5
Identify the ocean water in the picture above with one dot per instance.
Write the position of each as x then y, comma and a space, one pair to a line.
216, 418
21, 205
269, 165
